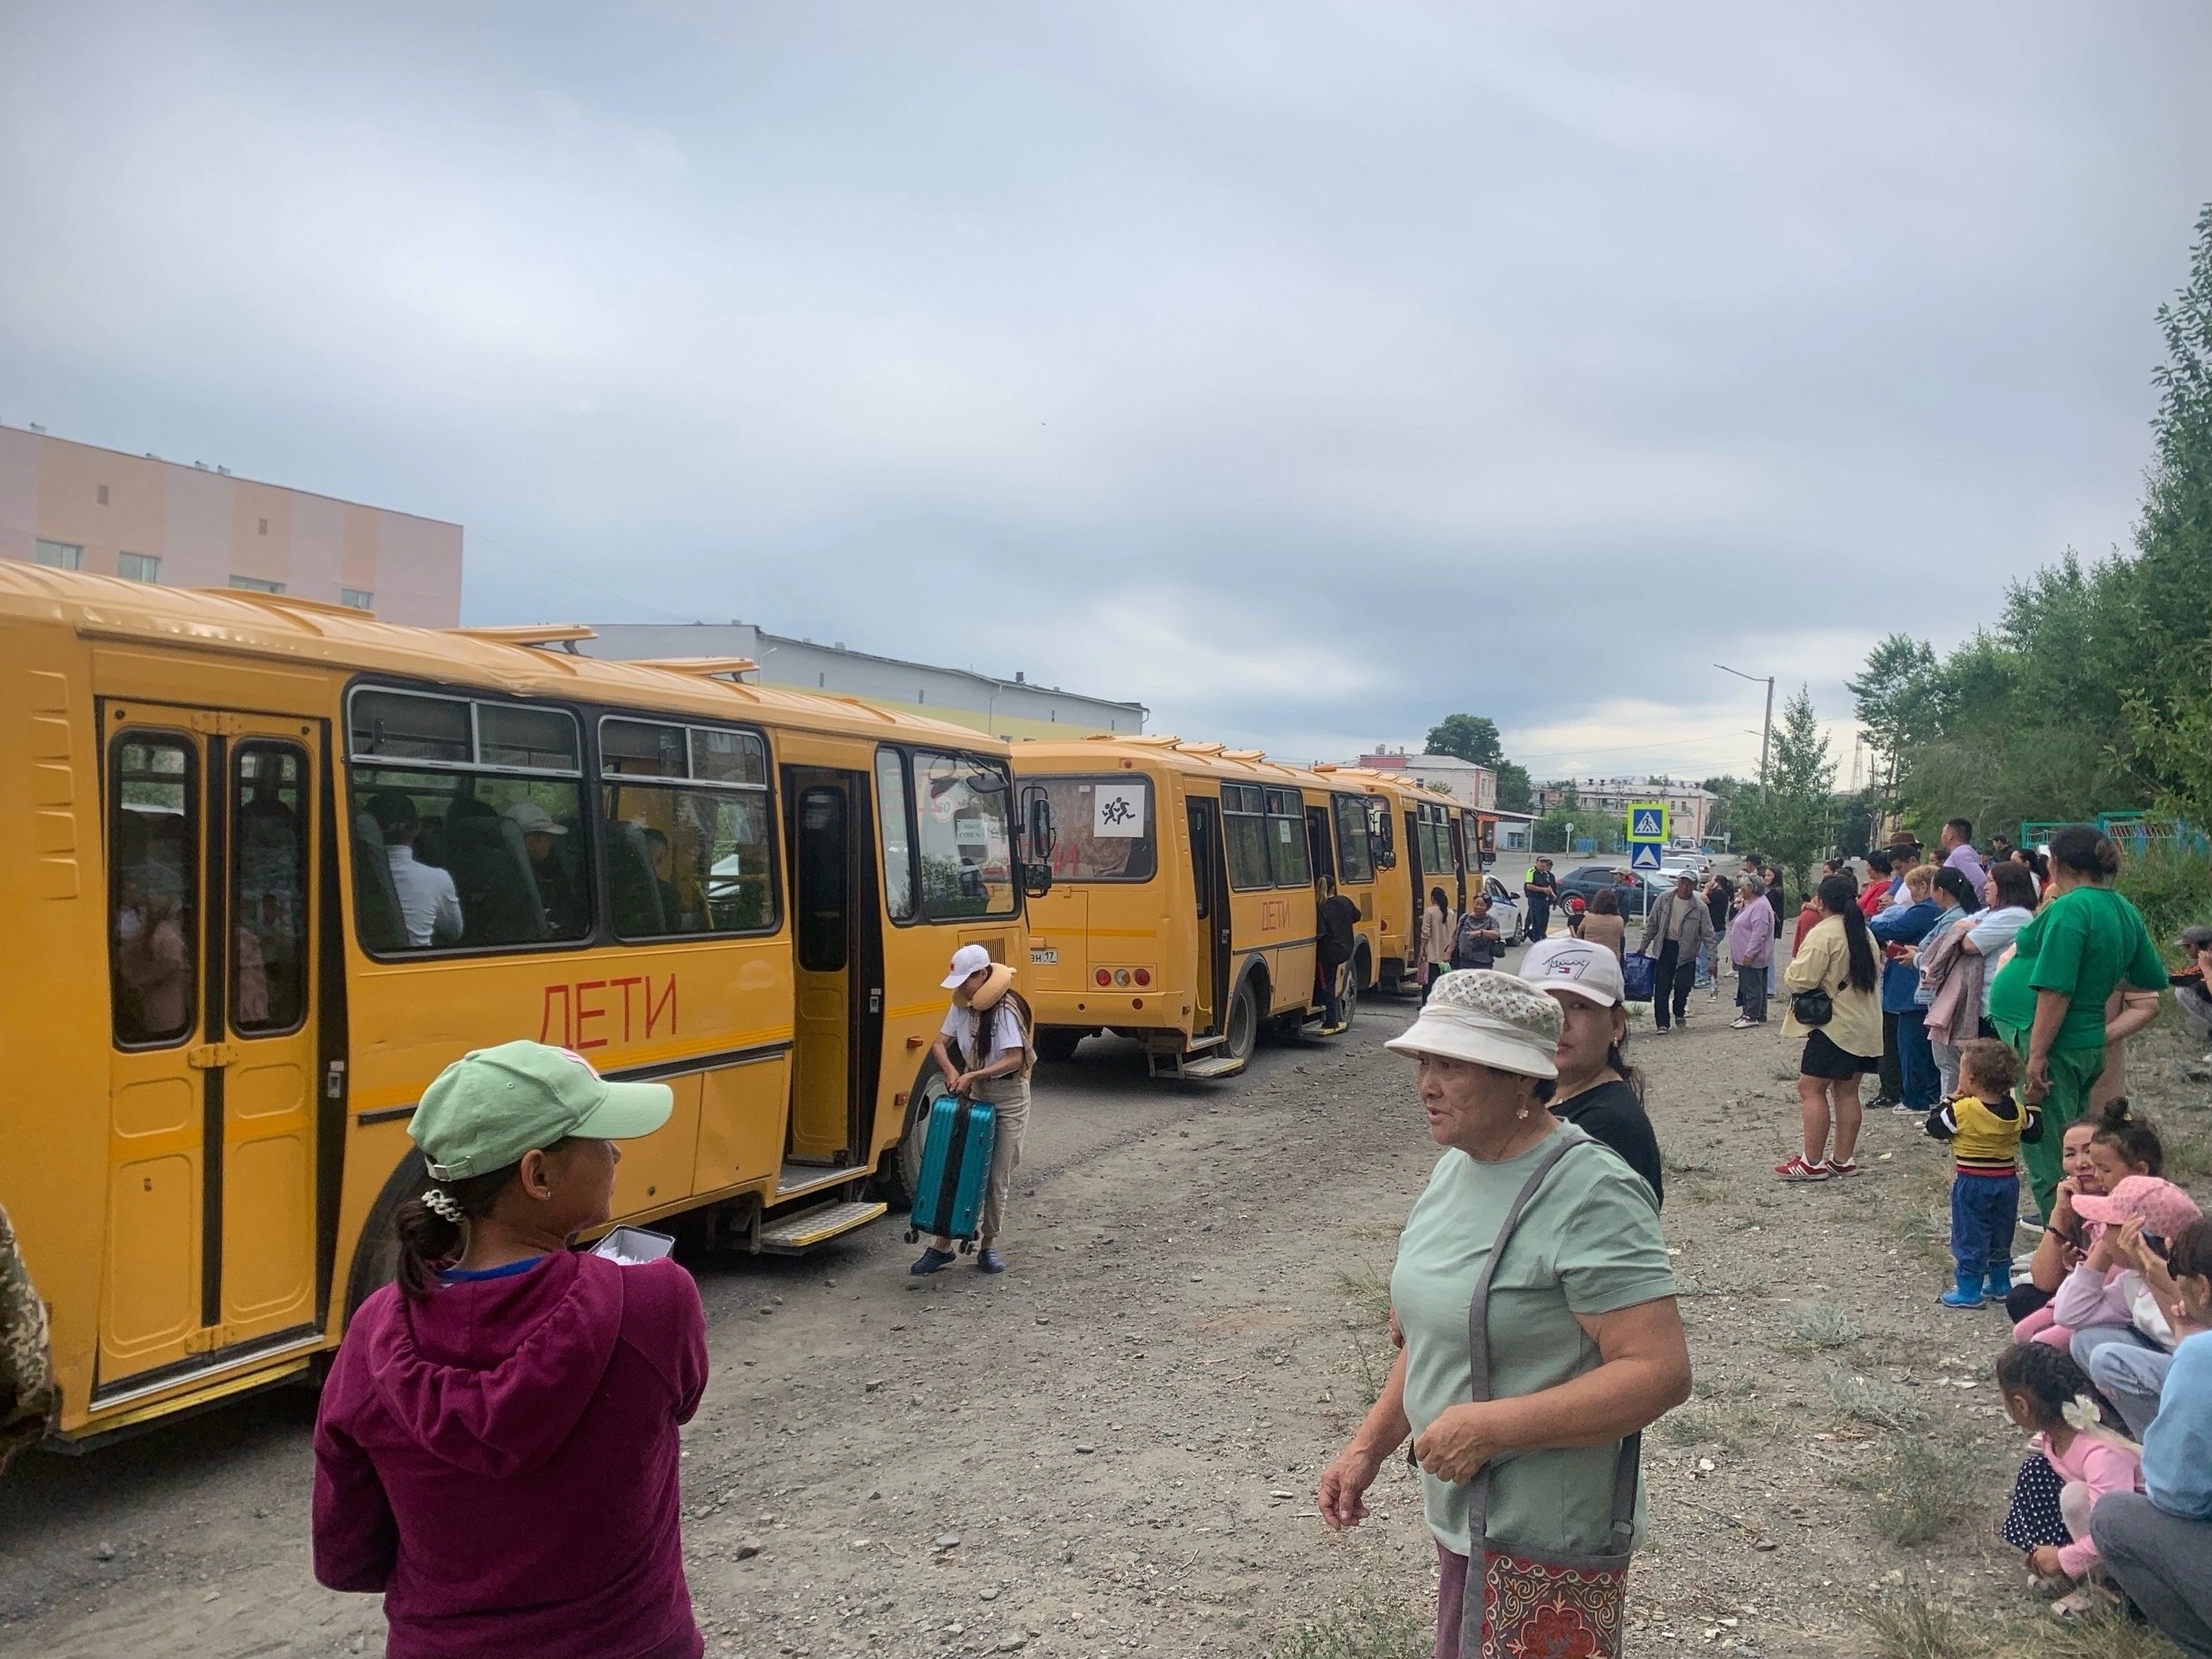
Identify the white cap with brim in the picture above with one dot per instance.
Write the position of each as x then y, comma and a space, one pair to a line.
968, 960
1587, 970
1486, 1018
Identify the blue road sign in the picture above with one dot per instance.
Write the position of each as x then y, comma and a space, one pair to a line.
1647, 823
1643, 855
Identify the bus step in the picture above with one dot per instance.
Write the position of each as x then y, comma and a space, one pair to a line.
796, 1234
1215, 1065
1193, 1044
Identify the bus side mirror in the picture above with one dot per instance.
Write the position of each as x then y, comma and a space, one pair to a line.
1036, 880
1038, 841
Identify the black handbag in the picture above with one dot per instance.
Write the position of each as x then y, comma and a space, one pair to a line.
1812, 1007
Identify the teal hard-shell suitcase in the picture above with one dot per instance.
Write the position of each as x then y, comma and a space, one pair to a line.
955, 1169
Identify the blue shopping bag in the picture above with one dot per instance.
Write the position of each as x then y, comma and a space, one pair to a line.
1637, 972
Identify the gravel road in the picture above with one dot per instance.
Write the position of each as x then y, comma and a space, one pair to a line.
1114, 1446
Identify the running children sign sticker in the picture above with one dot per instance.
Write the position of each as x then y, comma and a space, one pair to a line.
1117, 811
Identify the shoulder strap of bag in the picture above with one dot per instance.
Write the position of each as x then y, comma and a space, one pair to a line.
1625, 1469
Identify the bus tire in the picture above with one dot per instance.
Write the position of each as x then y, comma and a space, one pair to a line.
900, 1173
1348, 999
1056, 1043
376, 1256
1363, 969
1241, 1032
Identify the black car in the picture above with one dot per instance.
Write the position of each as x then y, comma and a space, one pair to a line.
1591, 880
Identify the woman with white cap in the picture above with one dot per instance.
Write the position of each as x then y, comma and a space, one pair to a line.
1541, 1337
991, 1024
1597, 1090
496, 1449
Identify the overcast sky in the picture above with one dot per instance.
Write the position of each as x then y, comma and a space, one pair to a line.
1306, 371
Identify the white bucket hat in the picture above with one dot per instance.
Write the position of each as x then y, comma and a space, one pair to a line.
1486, 1018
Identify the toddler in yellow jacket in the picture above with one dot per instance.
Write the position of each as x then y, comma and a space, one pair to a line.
1985, 1125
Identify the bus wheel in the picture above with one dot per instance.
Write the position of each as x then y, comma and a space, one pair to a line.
375, 1257
900, 1176
1348, 998
1244, 1029
1056, 1043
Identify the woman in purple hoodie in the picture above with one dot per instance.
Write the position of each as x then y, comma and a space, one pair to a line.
496, 1447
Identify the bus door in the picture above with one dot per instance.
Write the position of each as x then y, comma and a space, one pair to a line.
823, 809
1210, 885
1321, 855
213, 853
1459, 860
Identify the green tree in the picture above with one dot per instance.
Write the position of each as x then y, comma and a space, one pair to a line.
1792, 821
1720, 817
1895, 694
2166, 585
1515, 793
1471, 737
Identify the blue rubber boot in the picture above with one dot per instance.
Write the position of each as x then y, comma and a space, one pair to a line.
1999, 1284
1969, 1294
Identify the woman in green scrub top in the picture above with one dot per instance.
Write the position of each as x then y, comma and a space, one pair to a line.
1585, 1342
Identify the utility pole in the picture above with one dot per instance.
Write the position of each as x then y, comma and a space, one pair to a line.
1766, 730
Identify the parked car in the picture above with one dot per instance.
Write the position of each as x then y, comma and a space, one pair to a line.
1635, 892
1505, 908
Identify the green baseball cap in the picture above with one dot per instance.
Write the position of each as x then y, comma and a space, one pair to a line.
492, 1105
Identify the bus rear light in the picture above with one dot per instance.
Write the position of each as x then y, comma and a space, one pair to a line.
1103, 977
1121, 975
1143, 976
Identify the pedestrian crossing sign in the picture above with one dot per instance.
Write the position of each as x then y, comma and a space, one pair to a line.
1647, 821
1643, 855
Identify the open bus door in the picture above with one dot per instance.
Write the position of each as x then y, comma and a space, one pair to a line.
1209, 890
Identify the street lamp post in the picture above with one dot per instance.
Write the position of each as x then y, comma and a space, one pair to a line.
1766, 730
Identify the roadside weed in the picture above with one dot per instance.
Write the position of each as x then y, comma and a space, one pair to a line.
1371, 1379
2106, 1634
1868, 1400
1368, 1290
1910, 1624
1921, 1490
1365, 1628
1824, 1324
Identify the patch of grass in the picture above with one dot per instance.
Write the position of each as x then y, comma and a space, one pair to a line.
1677, 1165
1367, 1627
1920, 1490
1681, 1427
1925, 1229
1869, 1400
1368, 1290
1910, 1624
1823, 1324
2109, 1634
2189, 1150
1371, 1379
1721, 1191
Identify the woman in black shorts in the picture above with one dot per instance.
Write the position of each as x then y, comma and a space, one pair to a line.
1838, 957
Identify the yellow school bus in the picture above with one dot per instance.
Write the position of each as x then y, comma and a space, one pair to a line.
270, 865
1182, 911
1421, 841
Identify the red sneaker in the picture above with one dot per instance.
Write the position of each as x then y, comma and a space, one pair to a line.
1846, 1167
1798, 1169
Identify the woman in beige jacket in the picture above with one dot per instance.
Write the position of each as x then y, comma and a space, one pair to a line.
1437, 922
1838, 957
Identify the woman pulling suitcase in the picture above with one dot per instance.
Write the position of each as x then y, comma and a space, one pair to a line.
991, 1024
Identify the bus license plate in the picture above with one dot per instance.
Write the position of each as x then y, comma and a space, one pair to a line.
1043, 958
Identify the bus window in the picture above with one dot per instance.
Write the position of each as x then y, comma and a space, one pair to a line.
823, 860
1354, 862
1287, 838
1105, 828
477, 809
1382, 835
689, 858
154, 842
269, 894
1435, 841
1244, 830
897, 838
966, 836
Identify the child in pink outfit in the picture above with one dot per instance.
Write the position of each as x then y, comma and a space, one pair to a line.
2046, 1393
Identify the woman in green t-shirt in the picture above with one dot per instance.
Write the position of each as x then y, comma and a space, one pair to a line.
2048, 1003
1586, 1345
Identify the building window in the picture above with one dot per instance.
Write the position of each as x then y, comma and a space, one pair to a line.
256, 585
103, 495
356, 599
138, 567
61, 555
264, 527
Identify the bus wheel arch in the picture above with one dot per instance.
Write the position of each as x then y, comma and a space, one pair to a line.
375, 1253
899, 1173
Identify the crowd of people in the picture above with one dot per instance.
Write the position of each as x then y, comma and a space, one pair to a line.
1532, 1300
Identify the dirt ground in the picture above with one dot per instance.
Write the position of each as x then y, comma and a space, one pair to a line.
1115, 1447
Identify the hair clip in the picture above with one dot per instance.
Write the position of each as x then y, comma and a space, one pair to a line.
441, 1202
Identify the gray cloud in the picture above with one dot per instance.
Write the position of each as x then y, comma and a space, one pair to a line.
1307, 370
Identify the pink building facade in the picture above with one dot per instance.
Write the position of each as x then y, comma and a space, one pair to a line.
84, 508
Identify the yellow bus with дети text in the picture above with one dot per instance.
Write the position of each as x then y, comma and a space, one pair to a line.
270, 865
